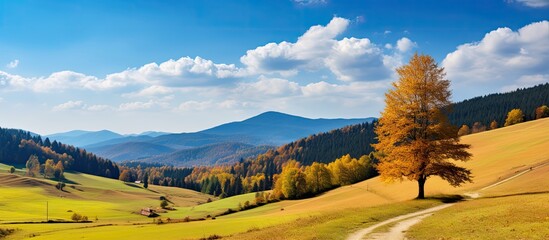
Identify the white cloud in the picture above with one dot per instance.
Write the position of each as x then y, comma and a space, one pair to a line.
534, 3
350, 59
151, 91
502, 58
183, 72
268, 87
69, 106
526, 81
307, 52
405, 44
180, 73
355, 59
13, 64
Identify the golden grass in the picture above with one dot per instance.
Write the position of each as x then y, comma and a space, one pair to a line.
511, 217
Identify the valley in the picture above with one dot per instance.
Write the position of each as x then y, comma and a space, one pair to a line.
324, 216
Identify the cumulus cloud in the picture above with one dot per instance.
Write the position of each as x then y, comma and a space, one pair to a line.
184, 72
534, 3
308, 51
355, 59
502, 58
13, 64
405, 44
69, 106
349, 59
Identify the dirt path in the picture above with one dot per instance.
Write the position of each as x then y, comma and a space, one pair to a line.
423, 213
399, 230
408, 220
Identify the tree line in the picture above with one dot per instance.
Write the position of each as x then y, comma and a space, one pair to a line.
484, 110
18, 146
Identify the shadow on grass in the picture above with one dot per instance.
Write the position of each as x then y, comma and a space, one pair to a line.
518, 194
133, 185
447, 198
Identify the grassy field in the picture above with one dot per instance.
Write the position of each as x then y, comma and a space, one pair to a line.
497, 154
510, 217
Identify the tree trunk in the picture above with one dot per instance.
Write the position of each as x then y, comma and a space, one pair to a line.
421, 186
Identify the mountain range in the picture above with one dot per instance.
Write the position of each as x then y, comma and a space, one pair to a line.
221, 144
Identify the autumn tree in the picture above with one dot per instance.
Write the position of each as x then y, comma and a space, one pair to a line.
291, 183
478, 127
513, 117
58, 170
542, 112
493, 125
463, 130
415, 138
49, 169
125, 176
33, 166
318, 177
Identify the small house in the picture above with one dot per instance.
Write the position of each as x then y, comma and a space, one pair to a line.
149, 212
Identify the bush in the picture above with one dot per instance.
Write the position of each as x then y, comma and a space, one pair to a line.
164, 204
5, 232
11, 170
79, 218
211, 237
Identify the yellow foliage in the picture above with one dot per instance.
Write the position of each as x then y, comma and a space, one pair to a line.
513, 117
415, 138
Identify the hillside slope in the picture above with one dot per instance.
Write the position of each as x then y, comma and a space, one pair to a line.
497, 154
214, 154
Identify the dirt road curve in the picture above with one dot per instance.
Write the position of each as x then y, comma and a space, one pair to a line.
415, 216
408, 220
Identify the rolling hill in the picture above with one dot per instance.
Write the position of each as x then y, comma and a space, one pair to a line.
497, 154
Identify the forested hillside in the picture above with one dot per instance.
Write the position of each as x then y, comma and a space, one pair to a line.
209, 155
258, 173
495, 106
17, 146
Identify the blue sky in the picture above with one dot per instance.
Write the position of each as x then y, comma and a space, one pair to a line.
181, 66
